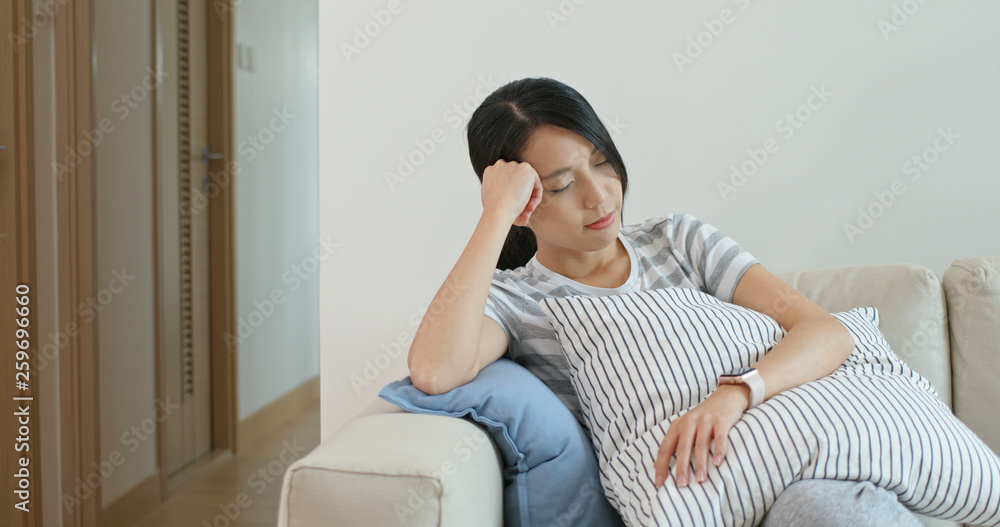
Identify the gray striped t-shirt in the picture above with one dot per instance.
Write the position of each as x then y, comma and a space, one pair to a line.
673, 251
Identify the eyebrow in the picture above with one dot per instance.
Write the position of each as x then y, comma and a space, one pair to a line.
564, 170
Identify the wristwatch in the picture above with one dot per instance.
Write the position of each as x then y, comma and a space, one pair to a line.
751, 378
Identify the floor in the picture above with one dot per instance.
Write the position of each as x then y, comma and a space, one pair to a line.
242, 490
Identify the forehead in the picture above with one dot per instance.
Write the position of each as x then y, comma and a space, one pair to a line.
550, 146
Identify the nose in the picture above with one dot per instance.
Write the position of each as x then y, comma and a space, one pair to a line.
593, 194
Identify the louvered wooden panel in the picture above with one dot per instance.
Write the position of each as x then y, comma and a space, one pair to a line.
185, 153
187, 355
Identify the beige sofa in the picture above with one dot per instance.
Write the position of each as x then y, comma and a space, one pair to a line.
388, 468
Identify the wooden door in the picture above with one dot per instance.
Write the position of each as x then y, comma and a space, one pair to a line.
184, 222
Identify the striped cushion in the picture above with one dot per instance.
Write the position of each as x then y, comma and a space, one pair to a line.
640, 360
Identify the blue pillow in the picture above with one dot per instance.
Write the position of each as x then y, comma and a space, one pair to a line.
551, 476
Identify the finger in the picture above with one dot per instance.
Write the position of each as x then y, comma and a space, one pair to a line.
536, 194
523, 218
662, 464
534, 201
701, 443
529, 209
683, 454
721, 441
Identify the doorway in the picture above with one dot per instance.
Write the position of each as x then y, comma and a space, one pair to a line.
194, 228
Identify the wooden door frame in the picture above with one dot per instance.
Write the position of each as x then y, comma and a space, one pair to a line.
222, 251
18, 262
79, 418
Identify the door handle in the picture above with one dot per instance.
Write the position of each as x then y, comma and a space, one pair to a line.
207, 156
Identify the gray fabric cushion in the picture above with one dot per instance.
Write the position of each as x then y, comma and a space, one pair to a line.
973, 289
911, 308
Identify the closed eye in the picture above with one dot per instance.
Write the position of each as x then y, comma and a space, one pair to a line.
558, 190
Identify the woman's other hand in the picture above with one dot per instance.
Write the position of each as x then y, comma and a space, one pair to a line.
512, 187
691, 434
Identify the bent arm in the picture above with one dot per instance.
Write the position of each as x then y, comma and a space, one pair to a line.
815, 343
445, 352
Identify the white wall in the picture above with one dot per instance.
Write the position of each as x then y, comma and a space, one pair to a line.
277, 234
678, 128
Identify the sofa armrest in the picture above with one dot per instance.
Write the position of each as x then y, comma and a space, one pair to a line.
972, 288
391, 469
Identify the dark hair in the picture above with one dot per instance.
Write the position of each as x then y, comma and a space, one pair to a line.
505, 120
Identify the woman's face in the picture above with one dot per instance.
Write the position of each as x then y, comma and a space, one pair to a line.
581, 188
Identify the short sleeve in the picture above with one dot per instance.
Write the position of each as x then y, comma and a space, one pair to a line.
502, 303
716, 259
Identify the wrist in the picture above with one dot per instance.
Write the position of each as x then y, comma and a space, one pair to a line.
749, 378
738, 394
500, 215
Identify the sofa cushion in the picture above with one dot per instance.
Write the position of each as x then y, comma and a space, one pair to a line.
972, 286
910, 303
550, 469
639, 361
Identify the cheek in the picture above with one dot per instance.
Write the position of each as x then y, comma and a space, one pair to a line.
614, 188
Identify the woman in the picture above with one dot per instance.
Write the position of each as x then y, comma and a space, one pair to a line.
553, 186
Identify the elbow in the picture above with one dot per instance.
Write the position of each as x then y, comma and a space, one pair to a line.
423, 381
428, 379
433, 375
422, 376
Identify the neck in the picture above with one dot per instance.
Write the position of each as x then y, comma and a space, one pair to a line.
587, 267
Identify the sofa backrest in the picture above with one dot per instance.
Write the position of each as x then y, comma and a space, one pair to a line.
972, 286
911, 304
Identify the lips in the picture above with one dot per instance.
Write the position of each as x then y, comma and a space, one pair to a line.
603, 221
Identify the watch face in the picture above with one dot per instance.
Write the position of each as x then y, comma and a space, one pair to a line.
737, 372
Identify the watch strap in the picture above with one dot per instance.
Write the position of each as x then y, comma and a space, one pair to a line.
756, 385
